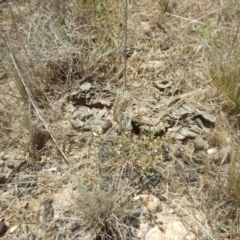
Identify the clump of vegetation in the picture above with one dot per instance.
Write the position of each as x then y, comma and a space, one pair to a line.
222, 39
224, 44
106, 213
55, 46
69, 42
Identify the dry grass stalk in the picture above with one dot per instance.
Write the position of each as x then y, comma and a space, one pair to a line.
39, 115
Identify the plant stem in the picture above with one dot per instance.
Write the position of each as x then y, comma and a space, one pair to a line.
125, 47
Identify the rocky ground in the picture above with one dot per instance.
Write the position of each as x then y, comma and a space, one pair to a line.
165, 144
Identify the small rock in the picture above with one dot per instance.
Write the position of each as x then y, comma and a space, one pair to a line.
211, 151
13, 229
77, 124
24, 237
3, 228
86, 86
2, 163
6, 156
2, 154
30, 236
192, 177
200, 145
3, 178
156, 179
105, 102
211, 119
48, 211
187, 133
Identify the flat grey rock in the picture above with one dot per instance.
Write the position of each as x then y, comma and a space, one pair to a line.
188, 132
86, 119
200, 145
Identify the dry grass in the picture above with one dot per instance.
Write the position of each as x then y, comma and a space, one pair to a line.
223, 42
55, 46
105, 211
222, 38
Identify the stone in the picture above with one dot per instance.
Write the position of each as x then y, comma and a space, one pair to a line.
211, 151
6, 156
48, 211
13, 229
208, 117
86, 86
3, 178
188, 132
1, 155
2, 163
200, 145
3, 228
192, 177
24, 237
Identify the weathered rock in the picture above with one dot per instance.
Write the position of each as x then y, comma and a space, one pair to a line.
29, 236
3, 228
188, 132
48, 211
85, 119
24, 237
192, 177
200, 145
86, 86
13, 229
93, 95
6, 156
3, 178
193, 113
171, 225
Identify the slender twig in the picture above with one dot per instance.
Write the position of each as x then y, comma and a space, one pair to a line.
125, 50
39, 115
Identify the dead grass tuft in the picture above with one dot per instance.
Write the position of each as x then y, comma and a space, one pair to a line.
105, 211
